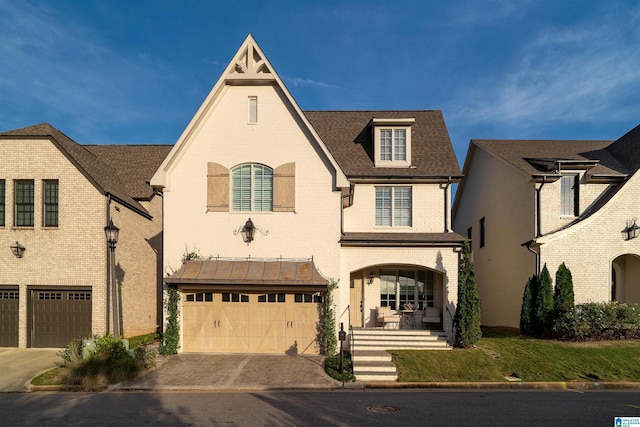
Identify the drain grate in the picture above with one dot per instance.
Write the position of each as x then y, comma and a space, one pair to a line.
382, 408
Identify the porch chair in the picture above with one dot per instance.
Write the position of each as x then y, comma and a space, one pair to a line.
431, 315
388, 319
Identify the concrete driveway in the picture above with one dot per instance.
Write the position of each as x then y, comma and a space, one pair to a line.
19, 366
189, 371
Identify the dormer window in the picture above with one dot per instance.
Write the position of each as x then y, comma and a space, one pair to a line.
392, 139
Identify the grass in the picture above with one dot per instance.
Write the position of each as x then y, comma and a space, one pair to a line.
503, 352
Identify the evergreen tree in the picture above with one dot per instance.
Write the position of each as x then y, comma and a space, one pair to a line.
543, 319
467, 318
563, 298
527, 311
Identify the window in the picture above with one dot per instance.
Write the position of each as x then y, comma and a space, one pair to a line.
50, 203
252, 188
272, 298
393, 206
2, 203
569, 195
393, 144
482, 232
200, 297
229, 297
308, 298
24, 203
411, 286
253, 109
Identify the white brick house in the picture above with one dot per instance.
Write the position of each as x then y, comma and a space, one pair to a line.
56, 197
357, 197
530, 203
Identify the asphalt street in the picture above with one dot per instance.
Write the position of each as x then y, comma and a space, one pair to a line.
322, 408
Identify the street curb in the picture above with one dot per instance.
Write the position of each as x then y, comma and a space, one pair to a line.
520, 385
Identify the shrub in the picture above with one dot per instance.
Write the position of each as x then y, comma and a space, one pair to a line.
467, 317
599, 321
108, 363
563, 297
543, 318
327, 325
332, 367
527, 311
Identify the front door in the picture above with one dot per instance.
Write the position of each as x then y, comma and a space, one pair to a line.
355, 302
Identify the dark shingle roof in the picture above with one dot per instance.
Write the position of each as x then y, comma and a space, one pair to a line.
516, 152
136, 164
348, 136
627, 149
406, 239
106, 177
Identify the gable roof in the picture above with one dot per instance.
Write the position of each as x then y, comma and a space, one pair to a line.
349, 137
627, 149
520, 153
136, 164
248, 66
113, 179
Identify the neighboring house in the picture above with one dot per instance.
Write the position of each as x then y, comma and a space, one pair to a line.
56, 197
356, 197
530, 203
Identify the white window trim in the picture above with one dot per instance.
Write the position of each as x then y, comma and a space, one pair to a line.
393, 125
393, 208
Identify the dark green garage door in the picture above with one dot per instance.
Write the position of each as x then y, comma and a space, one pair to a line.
9, 306
59, 316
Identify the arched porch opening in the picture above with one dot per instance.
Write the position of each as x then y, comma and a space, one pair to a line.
625, 279
409, 291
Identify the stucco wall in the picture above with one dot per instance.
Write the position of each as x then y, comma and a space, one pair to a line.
72, 254
506, 199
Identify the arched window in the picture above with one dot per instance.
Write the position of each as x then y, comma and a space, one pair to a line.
252, 188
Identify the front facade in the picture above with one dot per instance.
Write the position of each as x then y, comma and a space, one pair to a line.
526, 204
324, 205
56, 197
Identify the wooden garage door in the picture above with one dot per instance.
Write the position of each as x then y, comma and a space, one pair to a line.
9, 306
276, 323
59, 316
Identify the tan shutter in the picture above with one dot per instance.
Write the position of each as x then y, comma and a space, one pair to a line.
284, 188
217, 188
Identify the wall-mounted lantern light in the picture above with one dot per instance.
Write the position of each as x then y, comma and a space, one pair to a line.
370, 278
248, 231
631, 231
17, 249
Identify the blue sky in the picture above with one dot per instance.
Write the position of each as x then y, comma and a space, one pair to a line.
135, 72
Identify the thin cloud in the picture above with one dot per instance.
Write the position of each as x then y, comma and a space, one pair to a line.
299, 82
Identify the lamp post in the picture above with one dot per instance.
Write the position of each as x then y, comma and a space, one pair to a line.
111, 233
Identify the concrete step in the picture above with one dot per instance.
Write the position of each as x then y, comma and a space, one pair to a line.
370, 356
358, 348
376, 376
364, 367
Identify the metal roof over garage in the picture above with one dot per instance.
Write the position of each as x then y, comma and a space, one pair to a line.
247, 272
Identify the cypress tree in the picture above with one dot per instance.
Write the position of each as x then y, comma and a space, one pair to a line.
467, 318
563, 298
527, 311
544, 303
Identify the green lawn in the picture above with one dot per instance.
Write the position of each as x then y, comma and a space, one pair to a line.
504, 352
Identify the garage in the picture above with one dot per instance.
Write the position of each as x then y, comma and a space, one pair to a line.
59, 316
250, 306
279, 323
9, 309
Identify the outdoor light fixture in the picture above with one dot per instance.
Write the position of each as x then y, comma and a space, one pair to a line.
248, 231
111, 232
631, 231
17, 249
370, 278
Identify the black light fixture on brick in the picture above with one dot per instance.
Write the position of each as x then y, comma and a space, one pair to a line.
17, 249
631, 231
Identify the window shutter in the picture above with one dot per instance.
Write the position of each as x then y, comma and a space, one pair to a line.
217, 188
284, 188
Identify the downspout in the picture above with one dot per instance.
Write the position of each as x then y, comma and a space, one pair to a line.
342, 197
108, 266
447, 209
530, 249
538, 231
